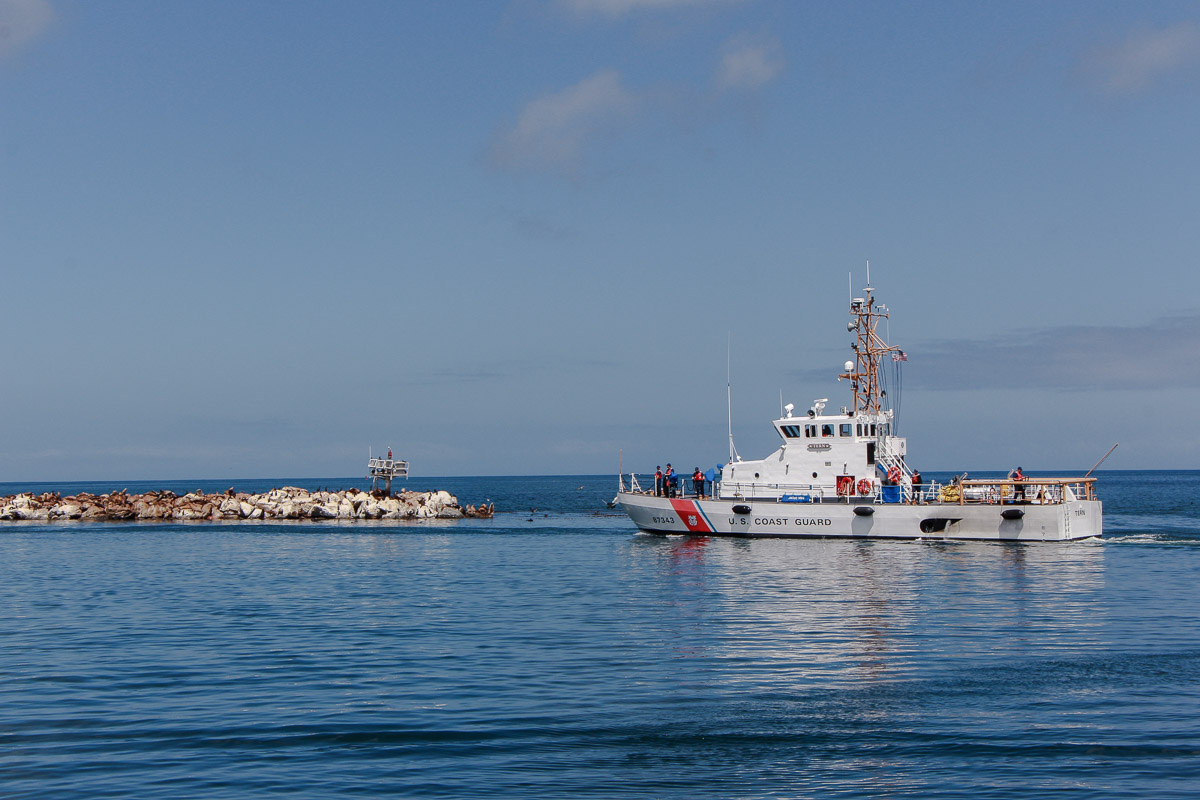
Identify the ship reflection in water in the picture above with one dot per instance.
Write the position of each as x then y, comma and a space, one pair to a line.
784, 614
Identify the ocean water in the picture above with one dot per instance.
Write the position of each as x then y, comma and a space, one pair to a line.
554, 652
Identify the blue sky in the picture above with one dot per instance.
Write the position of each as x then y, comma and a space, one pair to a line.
253, 239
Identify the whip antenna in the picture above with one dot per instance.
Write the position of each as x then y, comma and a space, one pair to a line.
1101, 461
733, 456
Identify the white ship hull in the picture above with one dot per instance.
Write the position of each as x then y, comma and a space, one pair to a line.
1029, 522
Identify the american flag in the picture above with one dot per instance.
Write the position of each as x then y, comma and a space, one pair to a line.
899, 355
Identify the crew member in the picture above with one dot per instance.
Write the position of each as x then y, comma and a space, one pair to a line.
1018, 489
698, 482
916, 485
669, 482
658, 478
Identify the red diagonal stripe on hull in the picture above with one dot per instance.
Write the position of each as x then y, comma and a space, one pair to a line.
691, 516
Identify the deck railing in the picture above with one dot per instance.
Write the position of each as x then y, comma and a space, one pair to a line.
957, 492
1029, 490
684, 486
786, 492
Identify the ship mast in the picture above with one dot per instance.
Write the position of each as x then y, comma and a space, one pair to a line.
868, 352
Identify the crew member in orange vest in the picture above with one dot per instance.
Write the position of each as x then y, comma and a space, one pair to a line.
1018, 490
698, 482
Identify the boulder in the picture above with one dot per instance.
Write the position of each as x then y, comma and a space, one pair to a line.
324, 511
67, 510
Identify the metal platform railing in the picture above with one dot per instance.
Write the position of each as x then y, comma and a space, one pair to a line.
386, 468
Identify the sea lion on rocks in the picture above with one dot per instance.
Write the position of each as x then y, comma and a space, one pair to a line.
288, 502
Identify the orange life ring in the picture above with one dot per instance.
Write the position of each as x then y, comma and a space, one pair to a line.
864, 486
894, 475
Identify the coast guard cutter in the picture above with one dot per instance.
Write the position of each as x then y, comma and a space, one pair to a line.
844, 475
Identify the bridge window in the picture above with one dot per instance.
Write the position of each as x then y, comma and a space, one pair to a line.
810, 431
846, 428
826, 430
791, 431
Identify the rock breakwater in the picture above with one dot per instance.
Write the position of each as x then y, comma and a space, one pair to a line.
287, 502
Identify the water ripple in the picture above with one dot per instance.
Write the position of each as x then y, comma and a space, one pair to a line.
572, 657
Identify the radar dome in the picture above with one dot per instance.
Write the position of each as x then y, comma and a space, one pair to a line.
849, 367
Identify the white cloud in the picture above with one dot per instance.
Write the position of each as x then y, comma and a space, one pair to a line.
620, 8
748, 62
554, 131
1145, 58
22, 21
